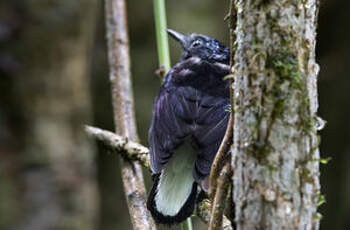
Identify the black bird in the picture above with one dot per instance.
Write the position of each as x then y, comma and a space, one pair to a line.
192, 107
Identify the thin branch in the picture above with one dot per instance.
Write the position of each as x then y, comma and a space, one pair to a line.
220, 199
221, 171
129, 150
123, 107
220, 157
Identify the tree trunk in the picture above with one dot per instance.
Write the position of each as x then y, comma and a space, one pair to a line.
275, 151
50, 167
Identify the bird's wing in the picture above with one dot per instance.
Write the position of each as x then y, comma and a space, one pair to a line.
212, 122
178, 106
170, 125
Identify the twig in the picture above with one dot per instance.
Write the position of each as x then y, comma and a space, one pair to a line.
129, 150
123, 107
218, 191
220, 157
220, 199
203, 211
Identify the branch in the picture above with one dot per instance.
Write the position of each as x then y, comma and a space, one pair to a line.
129, 150
220, 159
123, 107
219, 202
221, 155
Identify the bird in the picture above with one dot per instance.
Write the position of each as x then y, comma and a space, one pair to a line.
192, 109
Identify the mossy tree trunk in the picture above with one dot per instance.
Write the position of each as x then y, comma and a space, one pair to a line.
275, 151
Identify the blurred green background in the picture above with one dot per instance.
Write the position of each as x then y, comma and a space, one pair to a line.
54, 79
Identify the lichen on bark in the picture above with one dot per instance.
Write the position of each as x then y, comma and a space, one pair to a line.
275, 102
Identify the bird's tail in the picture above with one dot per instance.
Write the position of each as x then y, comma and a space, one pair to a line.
173, 195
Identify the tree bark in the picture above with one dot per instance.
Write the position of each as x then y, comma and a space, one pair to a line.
275, 154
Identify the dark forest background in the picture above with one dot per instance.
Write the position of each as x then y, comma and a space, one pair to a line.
54, 79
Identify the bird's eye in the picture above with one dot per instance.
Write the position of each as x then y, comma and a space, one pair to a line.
196, 43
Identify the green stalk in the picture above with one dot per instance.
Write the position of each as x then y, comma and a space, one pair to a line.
164, 57
161, 34
187, 225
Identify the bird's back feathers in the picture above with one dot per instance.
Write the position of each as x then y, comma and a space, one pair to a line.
192, 105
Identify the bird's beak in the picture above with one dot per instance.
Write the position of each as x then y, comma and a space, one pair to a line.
177, 36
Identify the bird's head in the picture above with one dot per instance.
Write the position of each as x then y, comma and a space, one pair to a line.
204, 47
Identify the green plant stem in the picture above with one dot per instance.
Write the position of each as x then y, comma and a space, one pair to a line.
163, 55
187, 225
161, 34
